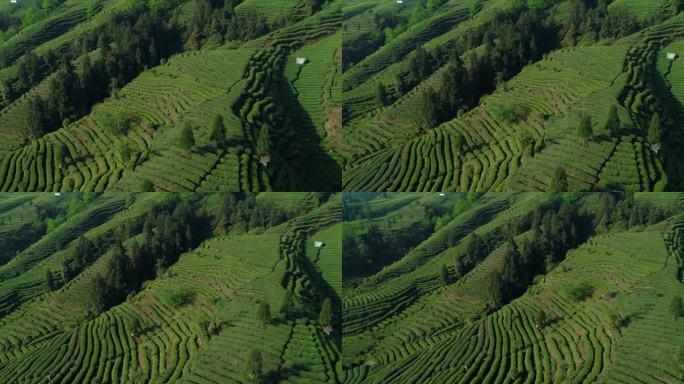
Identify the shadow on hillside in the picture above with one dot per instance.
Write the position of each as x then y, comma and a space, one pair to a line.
285, 373
150, 328
230, 143
674, 139
314, 155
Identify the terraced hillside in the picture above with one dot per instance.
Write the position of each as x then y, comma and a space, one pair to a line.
492, 95
161, 288
217, 104
526, 288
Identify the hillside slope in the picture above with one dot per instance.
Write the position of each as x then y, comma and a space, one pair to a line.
490, 95
195, 63
585, 297
124, 304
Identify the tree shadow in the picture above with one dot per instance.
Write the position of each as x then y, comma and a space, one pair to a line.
314, 155
285, 372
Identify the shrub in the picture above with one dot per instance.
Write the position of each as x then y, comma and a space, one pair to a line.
116, 122
580, 292
512, 113
178, 298
618, 319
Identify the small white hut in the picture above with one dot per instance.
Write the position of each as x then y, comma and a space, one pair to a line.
400, 1
318, 244
13, 1
302, 60
672, 56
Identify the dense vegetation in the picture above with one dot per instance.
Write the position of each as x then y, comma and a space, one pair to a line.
168, 287
368, 247
522, 287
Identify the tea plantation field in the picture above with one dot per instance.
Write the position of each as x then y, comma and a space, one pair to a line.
197, 320
251, 82
519, 135
603, 312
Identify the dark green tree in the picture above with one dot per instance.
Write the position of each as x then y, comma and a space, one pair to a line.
38, 117
30, 70
264, 314
64, 91
400, 84
97, 294
84, 252
655, 134
613, 121
381, 95
325, 317
495, 289
459, 267
218, 131
430, 107
66, 270
49, 280
254, 367
6, 91
584, 130
444, 274
559, 180
187, 137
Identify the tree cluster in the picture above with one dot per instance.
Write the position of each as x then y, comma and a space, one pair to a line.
11, 242
619, 211
590, 19
167, 232
512, 40
477, 248
554, 228
218, 20
241, 212
355, 50
366, 252
130, 43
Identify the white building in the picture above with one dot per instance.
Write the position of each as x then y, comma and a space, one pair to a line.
13, 1
318, 244
672, 56
400, 1
302, 60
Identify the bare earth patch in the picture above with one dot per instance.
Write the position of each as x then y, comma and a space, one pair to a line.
333, 126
